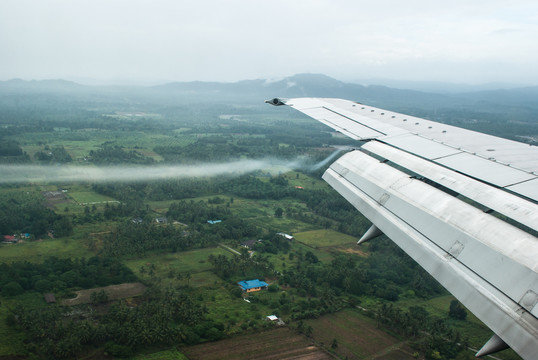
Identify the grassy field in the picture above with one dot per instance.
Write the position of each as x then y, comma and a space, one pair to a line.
305, 181
83, 195
168, 265
36, 251
324, 238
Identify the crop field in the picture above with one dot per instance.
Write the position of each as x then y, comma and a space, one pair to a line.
357, 336
161, 355
280, 343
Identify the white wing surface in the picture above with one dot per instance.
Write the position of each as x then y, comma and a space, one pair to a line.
398, 180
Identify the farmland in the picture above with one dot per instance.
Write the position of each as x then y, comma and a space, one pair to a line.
156, 233
267, 345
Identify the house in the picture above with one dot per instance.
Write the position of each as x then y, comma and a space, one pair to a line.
138, 220
49, 298
249, 244
161, 220
212, 222
9, 239
289, 237
275, 319
252, 285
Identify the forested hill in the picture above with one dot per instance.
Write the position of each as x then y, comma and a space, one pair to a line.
513, 110
301, 85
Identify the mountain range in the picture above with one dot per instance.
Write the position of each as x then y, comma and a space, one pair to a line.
301, 85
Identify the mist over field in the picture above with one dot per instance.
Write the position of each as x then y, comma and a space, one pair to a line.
12, 174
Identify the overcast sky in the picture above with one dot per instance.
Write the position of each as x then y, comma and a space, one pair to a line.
139, 41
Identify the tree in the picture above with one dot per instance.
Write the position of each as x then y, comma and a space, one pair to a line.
12, 288
63, 227
334, 344
279, 212
98, 297
457, 311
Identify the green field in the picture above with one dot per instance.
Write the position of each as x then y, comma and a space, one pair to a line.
36, 251
89, 197
324, 238
79, 143
194, 262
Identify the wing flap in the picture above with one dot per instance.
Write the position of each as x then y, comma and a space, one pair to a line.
527, 188
453, 241
512, 206
487, 170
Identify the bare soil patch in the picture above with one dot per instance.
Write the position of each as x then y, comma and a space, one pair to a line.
114, 292
355, 251
280, 343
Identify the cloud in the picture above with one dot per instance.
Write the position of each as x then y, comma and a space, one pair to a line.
240, 39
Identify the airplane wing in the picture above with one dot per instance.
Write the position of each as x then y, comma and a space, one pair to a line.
433, 189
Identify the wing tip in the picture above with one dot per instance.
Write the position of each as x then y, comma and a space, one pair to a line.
276, 101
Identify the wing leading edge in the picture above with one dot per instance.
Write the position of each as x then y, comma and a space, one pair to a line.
490, 265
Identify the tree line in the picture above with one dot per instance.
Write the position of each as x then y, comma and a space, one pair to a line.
161, 317
25, 212
59, 275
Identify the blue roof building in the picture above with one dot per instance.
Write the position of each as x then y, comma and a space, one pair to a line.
252, 285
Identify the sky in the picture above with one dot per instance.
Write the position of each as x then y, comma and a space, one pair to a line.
157, 41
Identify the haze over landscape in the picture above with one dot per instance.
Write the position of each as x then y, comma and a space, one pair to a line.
152, 206
142, 42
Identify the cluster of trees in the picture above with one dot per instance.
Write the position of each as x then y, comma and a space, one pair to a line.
273, 244
156, 190
114, 154
137, 239
58, 275
431, 336
11, 152
23, 212
56, 154
241, 266
297, 308
385, 274
457, 311
193, 212
162, 317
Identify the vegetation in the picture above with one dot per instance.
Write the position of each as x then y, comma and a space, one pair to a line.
84, 236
